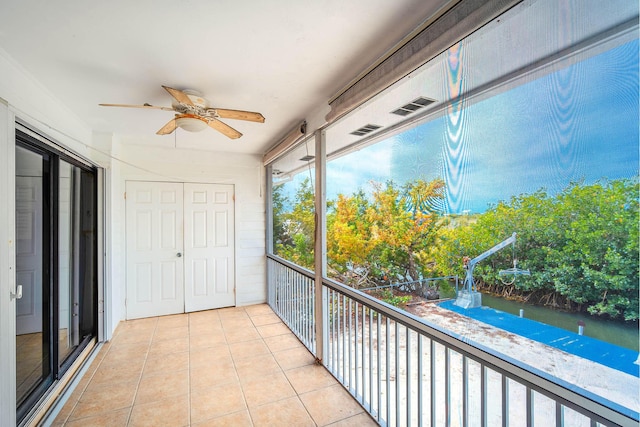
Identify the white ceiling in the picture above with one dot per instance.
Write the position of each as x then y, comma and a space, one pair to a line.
283, 58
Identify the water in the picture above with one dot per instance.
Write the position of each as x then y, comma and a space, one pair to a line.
618, 333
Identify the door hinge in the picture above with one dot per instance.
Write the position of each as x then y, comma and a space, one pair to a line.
125, 195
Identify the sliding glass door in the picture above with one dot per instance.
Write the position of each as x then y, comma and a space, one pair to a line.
56, 263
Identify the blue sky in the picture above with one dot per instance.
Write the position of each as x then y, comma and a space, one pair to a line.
577, 124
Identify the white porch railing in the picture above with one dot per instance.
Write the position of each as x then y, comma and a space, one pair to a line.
291, 296
404, 371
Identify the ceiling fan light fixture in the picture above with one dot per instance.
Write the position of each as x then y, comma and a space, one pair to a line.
191, 124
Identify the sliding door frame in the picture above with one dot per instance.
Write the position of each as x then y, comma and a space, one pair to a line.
63, 371
7, 267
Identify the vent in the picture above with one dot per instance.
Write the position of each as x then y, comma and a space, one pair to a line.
365, 130
413, 106
307, 158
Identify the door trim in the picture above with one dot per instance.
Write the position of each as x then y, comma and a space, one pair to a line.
7, 267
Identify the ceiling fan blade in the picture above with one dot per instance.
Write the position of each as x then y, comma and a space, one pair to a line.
147, 106
179, 95
240, 115
168, 128
224, 128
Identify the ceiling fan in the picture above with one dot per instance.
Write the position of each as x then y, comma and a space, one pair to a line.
194, 114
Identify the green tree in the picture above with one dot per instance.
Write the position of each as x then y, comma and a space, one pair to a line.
597, 264
349, 240
580, 245
296, 241
278, 203
387, 238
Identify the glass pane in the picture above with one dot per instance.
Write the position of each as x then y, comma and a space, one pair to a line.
67, 310
293, 210
32, 340
76, 257
87, 272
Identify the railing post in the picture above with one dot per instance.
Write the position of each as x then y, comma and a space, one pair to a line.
320, 246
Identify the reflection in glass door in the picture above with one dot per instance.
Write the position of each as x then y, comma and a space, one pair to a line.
32, 272
76, 257
67, 262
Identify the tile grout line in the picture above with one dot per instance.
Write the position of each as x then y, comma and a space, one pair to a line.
297, 394
144, 364
310, 391
244, 397
283, 371
189, 365
271, 353
75, 404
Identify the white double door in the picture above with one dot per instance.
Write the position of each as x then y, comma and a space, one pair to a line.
180, 247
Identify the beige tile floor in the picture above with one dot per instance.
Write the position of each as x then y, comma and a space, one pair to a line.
230, 367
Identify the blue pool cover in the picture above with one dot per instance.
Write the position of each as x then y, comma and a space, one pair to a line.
613, 356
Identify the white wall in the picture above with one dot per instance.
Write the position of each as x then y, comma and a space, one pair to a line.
245, 172
33, 104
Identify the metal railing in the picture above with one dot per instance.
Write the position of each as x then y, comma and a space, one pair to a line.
291, 296
420, 285
404, 371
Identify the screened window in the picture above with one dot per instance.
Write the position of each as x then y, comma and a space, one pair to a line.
293, 213
528, 126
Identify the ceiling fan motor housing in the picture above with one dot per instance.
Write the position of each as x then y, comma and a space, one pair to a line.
197, 98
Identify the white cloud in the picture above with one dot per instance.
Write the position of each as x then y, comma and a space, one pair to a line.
354, 171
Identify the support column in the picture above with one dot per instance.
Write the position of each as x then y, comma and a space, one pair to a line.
320, 243
268, 171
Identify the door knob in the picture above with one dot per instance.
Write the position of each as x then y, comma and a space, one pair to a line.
179, 255
18, 293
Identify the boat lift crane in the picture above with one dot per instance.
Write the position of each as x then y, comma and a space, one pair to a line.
468, 297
